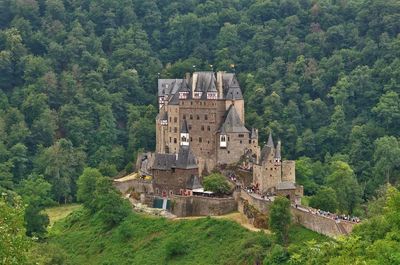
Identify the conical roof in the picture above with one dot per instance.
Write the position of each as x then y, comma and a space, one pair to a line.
270, 142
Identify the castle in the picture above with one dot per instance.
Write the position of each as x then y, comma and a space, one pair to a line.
201, 117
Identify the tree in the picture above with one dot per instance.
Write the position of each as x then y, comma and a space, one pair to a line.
110, 206
86, 185
325, 199
35, 192
344, 182
387, 159
217, 183
280, 218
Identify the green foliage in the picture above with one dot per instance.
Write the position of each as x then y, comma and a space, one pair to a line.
13, 242
142, 239
99, 196
35, 192
325, 199
217, 183
348, 192
280, 218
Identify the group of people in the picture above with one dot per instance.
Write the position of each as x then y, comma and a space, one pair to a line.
333, 216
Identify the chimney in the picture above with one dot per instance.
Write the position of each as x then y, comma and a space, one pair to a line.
219, 84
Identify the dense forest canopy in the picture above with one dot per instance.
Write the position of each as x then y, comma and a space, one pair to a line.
78, 84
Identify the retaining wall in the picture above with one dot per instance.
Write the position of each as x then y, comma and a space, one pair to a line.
138, 185
314, 222
202, 206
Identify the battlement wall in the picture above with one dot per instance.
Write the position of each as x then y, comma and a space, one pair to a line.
318, 223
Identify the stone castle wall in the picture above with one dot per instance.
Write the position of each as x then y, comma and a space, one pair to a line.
288, 171
137, 185
202, 206
314, 222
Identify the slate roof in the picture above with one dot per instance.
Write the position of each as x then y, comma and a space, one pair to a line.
205, 82
164, 161
265, 151
233, 123
193, 183
168, 86
186, 158
286, 185
184, 128
270, 142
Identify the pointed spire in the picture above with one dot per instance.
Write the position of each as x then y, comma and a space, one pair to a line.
270, 142
253, 133
278, 150
184, 128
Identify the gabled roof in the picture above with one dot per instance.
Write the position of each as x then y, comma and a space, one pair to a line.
168, 86
233, 123
186, 158
164, 161
205, 82
174, 99
231, 87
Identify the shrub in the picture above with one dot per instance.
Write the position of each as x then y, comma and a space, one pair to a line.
217, 183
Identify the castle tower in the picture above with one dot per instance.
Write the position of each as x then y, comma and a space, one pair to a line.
184, 135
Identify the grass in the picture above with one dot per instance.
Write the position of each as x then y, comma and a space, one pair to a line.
59, 212
81, 239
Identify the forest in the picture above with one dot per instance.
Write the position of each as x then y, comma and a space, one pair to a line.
78, 81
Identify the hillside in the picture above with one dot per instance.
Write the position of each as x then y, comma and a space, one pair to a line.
150, 240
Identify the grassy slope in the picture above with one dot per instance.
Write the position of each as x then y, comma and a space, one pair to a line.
150, 240
59, 212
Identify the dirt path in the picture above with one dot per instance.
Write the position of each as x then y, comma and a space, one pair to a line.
236, 217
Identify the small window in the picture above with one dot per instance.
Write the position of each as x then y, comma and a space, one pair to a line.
206, 117
175, 141
175, 119
202, 127
241, 142
170, 140
229, 152
223, 139
184, 116
191, 116
191, 102
198, 117
228, 138
208, 128
200, 140
191, 139
241, 135
189, 127
175, 130
170, 119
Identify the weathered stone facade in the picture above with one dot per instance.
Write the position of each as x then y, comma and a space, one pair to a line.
213, 107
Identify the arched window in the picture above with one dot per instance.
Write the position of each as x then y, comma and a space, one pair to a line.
223, 138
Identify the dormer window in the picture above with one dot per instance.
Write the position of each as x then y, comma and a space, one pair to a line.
212, 95
197, 95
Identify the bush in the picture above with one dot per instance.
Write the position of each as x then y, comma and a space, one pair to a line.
175, 247
217, 183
